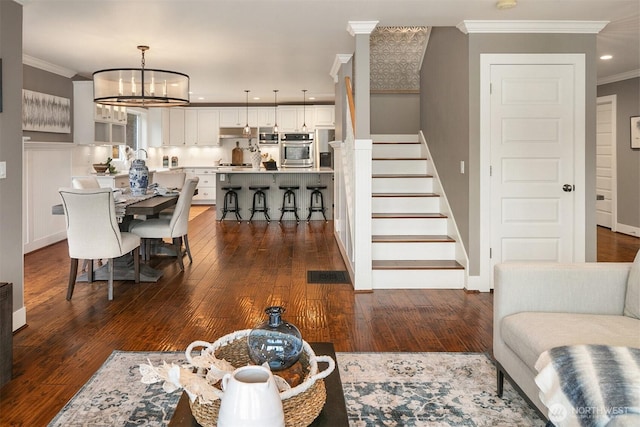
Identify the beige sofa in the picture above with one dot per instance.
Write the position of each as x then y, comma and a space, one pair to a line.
541, 306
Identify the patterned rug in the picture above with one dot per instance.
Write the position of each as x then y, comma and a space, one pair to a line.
381, 389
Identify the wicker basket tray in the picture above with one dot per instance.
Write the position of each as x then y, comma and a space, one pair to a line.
301, 404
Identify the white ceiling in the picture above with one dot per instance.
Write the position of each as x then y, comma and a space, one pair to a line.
227, 46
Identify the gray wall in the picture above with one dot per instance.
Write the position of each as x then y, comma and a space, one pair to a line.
628, 160
39, 80
395, 113
468, 220
444, 113
11, 259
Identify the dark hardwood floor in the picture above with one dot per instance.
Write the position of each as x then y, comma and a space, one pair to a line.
238, 270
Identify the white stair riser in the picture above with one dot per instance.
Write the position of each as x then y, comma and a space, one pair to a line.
408, 226
405, 205
402, 185
417, 279
396, 150
407, 167
413, 251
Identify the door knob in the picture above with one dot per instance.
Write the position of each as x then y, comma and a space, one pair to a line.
567, 188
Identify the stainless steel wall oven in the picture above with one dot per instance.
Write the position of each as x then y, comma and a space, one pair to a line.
296, 150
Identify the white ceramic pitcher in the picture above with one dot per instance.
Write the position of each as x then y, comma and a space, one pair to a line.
251, 399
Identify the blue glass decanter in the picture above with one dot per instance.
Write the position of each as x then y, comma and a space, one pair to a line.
275, 341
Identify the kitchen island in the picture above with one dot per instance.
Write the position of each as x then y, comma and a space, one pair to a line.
302, 177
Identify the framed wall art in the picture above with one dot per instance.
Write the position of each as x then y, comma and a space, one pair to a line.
42, 112
635, 131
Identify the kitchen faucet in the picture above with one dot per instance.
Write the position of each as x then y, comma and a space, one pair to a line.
146, 155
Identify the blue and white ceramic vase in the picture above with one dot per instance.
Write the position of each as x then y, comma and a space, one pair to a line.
138, 178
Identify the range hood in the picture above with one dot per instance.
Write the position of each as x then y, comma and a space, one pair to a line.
236, 133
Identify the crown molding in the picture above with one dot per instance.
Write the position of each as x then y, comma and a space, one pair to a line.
566, 27
361, 27
341, 58
47, 66
619, 77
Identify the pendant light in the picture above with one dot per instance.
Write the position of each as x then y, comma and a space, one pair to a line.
140, 87
247, 129
275, 111
304, 110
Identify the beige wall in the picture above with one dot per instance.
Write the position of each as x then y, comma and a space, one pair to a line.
395, 113
628, 160
11, 259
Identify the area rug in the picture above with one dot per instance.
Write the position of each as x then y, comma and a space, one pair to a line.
381, 389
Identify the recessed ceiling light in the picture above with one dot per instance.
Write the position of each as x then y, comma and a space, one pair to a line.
256, 98
506, 4
311, 98
606, 57
201, 98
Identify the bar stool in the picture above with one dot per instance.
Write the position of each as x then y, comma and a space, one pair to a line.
259, 201
287, 206
231, 201
316, 204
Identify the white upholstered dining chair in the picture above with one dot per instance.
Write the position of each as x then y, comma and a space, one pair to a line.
93, 233
81, 182
174, 227
170, 180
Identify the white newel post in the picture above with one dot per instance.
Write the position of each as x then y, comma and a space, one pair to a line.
362, 217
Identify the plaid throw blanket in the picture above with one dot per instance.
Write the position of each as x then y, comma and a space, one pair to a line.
590, 385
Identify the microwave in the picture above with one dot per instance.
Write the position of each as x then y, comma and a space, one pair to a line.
268, 138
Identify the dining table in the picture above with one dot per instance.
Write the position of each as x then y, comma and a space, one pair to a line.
127, 208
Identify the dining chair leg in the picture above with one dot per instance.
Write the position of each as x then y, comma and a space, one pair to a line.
111, 279
136, 265
90, 276
73, 272
186, 246
177, 245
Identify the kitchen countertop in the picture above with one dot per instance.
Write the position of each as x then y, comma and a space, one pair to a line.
235, 169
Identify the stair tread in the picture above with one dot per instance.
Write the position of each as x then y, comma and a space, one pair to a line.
416, 265
402, 175
408, 215
405, 195
386, 238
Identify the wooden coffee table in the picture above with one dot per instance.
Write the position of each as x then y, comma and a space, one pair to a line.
334, 413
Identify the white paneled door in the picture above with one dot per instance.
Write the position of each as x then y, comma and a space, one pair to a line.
532, 162
606, 162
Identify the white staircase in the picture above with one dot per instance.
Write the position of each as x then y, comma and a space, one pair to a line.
411, 246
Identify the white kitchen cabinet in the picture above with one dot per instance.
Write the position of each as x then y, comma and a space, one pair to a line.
324, 116
96, 123
237, 117
208, 127
206, 185
176, 126
158, 127
291, 119
190, 126
266, 116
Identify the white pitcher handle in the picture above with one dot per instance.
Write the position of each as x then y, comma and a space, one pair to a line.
225, 381
187, 352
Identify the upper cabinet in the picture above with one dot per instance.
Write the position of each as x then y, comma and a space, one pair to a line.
237, 117
291, 119
325, 116
266, 116
183, 126
96, 123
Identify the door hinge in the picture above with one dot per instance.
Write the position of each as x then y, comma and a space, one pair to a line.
490, 88
490, 253
490, 170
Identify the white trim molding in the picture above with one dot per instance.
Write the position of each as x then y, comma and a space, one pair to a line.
47, 66
361, 27
565, 27
619, 77
341, 58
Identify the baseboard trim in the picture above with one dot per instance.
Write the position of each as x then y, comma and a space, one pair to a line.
628, 229
19, 318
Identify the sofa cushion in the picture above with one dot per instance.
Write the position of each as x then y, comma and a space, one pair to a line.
632, 299
529, 334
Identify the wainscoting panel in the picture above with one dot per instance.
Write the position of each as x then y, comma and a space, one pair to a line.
47, 167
